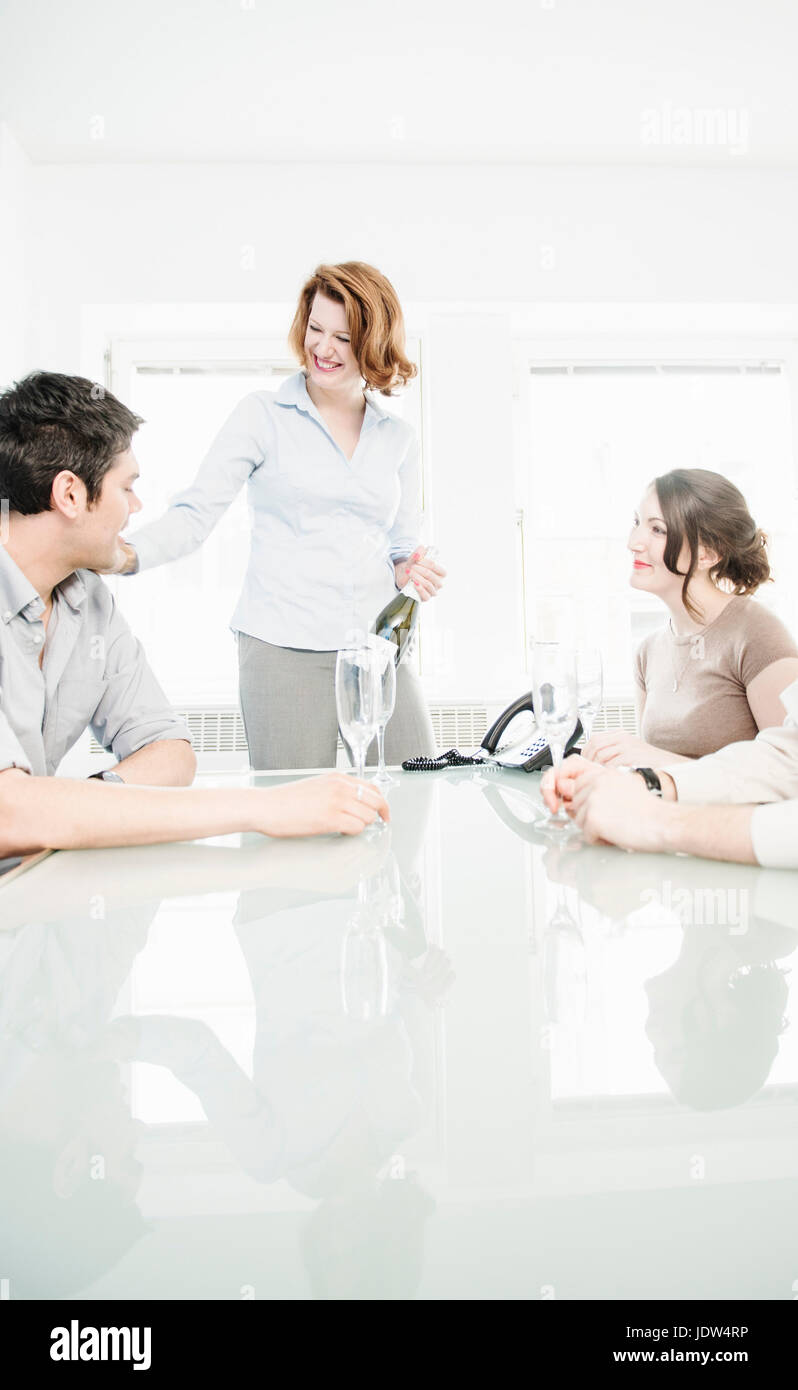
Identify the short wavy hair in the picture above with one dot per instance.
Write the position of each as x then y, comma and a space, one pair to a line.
374, 318
50, 422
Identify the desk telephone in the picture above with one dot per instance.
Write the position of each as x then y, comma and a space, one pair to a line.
528, 749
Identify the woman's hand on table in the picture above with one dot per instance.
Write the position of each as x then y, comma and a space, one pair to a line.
327, 805
426, 575
615, 748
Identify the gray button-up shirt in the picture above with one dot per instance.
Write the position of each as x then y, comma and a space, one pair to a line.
94, 671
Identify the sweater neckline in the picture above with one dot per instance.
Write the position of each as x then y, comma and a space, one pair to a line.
689, 637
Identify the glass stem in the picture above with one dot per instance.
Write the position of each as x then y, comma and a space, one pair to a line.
360, 761
381, 749
556, 762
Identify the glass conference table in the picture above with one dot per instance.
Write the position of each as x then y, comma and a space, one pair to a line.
453, 1060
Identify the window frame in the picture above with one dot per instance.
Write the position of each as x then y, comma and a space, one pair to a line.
614, 349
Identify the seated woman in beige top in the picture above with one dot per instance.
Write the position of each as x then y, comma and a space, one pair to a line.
713, 675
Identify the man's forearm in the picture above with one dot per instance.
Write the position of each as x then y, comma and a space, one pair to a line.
59, 813
168, 762
713, 832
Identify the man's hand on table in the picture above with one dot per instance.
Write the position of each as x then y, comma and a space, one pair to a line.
558, 787
609, 807
333, 803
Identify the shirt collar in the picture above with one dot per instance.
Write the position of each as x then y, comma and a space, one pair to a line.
17, 592
294, 392
73, 589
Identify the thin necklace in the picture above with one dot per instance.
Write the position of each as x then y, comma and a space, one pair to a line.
677, 675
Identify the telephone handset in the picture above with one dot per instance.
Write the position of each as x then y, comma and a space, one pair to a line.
529, 749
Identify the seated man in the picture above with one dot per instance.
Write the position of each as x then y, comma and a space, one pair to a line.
68, 658
727, 818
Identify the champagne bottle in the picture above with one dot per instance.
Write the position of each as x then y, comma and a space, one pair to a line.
398, 620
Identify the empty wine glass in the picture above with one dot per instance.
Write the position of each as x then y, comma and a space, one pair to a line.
356, 696
555, 700
386, 698
589, 686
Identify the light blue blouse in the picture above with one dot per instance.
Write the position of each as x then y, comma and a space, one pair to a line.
325, 529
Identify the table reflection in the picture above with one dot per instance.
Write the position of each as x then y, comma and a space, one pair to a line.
368, 1039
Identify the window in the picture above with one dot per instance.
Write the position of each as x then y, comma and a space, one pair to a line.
185, 392
594, 435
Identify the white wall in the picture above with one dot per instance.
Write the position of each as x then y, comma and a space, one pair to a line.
473, 251
511, 232
14, 285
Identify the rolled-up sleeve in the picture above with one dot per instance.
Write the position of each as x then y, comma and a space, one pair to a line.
238, 449
12, 754
404, 533
774, 835
756, 770
134, 710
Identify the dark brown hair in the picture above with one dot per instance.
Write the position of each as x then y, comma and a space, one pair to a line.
49, 423
373, 315
704, 508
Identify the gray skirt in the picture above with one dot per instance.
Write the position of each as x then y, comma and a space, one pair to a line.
288, 706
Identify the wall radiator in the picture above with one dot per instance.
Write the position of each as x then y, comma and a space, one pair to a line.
219, 729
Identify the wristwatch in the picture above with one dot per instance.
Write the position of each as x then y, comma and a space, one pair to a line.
107, 776
650, 778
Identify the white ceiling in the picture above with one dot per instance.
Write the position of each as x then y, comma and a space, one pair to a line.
628, 81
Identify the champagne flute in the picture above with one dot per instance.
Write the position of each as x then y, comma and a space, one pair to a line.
356, 687
555, 700
589, 686
386, 701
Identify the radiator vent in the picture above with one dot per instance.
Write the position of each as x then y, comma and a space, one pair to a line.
618, 714
221, 729
458, 726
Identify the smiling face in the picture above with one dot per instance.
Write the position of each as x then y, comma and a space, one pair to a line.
329, 359
102, 523
647, 543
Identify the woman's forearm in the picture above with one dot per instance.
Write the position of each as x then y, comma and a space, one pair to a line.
664, 758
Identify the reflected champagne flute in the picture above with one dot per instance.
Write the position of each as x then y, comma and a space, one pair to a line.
555, 700
364, 961
589, 686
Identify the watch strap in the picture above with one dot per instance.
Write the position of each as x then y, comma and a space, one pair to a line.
650, 778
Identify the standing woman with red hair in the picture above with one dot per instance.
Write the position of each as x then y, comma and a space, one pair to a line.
335, 500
